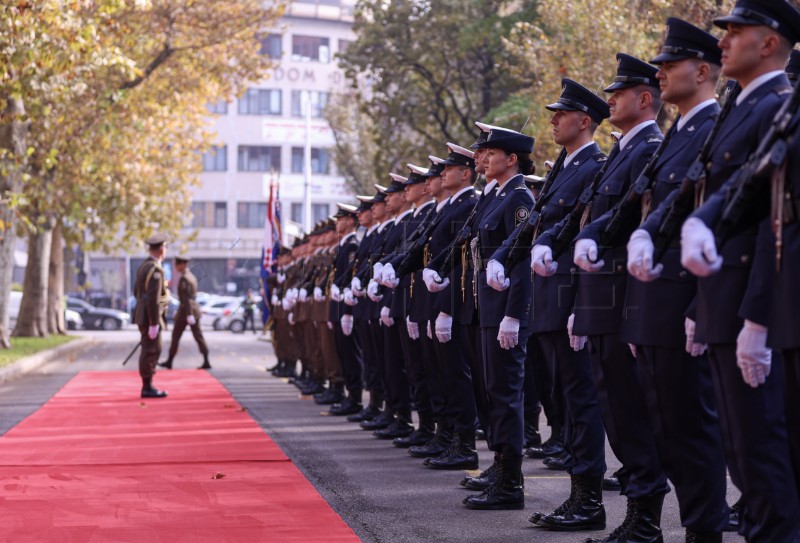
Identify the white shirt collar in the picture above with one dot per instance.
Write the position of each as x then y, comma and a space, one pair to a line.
459, 193
573, 154
489, 186
692, 112
403, 214
755, 83
635, 130
347, 237
372, 228
423, 206
384, 224
441, 204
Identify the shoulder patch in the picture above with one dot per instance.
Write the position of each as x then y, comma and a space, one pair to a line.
655, 139
599, 157
521, 215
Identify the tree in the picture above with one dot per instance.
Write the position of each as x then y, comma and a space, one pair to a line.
422, 73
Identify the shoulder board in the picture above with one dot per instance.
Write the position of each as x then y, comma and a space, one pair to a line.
655, 139
521, 188
599, 157
781, 90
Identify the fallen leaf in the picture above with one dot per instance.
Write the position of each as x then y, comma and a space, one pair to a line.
228, 406
218, 475
142, 404
242, 409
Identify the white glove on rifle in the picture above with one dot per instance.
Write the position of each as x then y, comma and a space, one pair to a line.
698, 248
444, 327
496, 276
274, 300
542, 262
290, 318
191, 320
318, 296
286, 304
348, 297
388, 276
152, 331
430, 336
576, 342
377, 272
336, 294
692, 347
640, 257
355, 285
281, 278
347, 324
586, 256
372, 291
508, 336
753, 356
303, 296
412, 327
385, 318
433, 281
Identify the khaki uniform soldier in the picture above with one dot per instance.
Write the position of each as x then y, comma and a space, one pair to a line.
188, 314
152, 297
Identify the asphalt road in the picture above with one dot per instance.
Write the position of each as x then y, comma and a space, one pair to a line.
385, 495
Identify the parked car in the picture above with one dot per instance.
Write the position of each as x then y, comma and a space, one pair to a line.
214, 308
73, 319
232, 317
98, 318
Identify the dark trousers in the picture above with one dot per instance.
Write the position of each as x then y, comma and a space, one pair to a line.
624, 411
148, 355
504, 371
472, 337
178, 327
454, 359
680, 403
248, 316
415, 371
584, 437
533, 404
398, 392
541, 372
791, 359
435, 376
369, 356
753, 422
349, 353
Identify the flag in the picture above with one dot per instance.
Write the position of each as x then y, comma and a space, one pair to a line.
272, 229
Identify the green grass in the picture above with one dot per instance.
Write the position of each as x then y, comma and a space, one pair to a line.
26, 346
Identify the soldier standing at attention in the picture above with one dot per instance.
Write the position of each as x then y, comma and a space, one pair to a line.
249, 306
188, 314
152, 296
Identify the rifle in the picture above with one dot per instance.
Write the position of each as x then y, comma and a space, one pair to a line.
628, 210
131, 353
572, 227
415, 247
683, 203
521, 244
747, 184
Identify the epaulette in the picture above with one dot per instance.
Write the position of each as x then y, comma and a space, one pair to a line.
599, 157
783, 90
655, 139
521, 187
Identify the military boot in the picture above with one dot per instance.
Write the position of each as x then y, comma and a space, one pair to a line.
419, 437
149, 391
167, 363
642, 522
735, 516
461, 456
435, 446
206, 364
486, 477
560, 510
532, 436
586, 512
507, 492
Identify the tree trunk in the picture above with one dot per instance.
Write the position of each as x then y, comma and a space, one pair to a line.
13, 136
55, 290
32, 321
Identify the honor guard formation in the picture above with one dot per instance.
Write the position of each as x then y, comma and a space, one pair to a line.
645, 296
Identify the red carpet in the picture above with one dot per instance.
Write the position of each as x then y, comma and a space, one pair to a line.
97, 464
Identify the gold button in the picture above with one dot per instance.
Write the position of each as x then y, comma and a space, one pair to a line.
671, 176
573, 269
683, 274
727, 155
561, 201
745, 259
620, 267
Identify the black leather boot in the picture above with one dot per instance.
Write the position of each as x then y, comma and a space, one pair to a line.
206, 365
368, 413
418, 437
586, 512
378, 423
703, 537
401, 426
461, 456
434, 447
149, 391
506, 492
167, 363
560, 510
735, 515
642, 522
486, 477
561, 462
552, 447
532, 436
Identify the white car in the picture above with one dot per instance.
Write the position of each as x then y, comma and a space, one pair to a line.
214, 307
232, 317
73, 320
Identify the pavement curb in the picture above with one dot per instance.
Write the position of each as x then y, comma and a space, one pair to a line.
35, 361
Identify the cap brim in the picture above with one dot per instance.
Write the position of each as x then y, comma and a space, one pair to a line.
560, 107
617, 85
722, 22
666, 57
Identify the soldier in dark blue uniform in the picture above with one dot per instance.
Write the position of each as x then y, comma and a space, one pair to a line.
578, 113
504, 315
733, 309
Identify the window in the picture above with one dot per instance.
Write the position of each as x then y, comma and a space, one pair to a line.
251, 215
260, 102
220, 108
256, 158
320, 160
318, 212
319, 100
209, 215
310, 49
216, 159
272, 46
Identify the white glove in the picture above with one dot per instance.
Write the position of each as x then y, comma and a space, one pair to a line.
274, 299
372, 291
385, 318
355, 285
347, 324
433, 281
430, 336
303, 297
444, 327
318, 296
508, 336
336, 294
753, 356
576, 342
281, 278
330, 325
496, 276
348, 297
640, 257
286, 304
191, 320
698, 248
632, 347
692, 347
542, 262
152, 331
290, 318
586, 255
389, 276
413, 328
377, 272
292, 295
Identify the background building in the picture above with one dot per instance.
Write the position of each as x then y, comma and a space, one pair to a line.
261, 137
